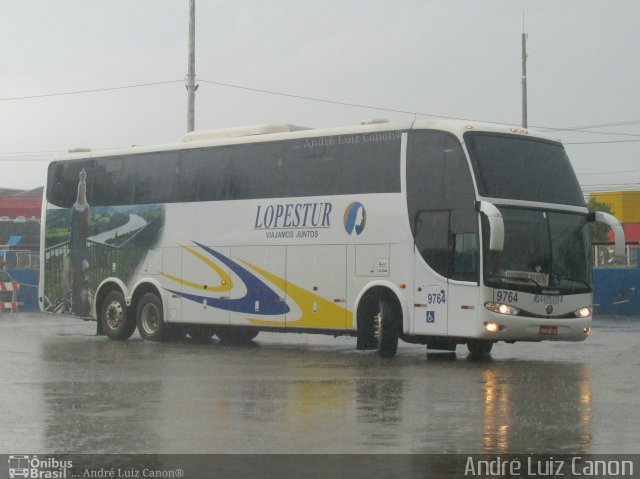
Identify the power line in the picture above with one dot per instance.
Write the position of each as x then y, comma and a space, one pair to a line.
586, 127
343, 103
95, 90
608, 172
578, 129
598, 132
27, 152
309, 98
255, 90
601, 142
24, 160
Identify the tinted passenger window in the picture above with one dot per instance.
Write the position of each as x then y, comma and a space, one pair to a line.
323, 166
110, 185
63, 180
204, 174
257, 171
153, 178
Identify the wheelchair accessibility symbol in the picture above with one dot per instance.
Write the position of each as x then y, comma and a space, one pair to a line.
431, 316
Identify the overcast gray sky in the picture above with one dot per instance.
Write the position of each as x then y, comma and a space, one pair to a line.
455, 58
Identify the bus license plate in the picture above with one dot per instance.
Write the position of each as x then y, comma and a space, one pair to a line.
549, 330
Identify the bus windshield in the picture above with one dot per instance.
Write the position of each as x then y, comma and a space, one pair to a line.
543, 250
522, 168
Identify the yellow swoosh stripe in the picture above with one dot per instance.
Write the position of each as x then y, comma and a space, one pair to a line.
226, 283
329, 315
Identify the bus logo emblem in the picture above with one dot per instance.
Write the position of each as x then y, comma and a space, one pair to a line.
355, 218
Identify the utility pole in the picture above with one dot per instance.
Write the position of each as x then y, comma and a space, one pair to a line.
191, 75
524, 76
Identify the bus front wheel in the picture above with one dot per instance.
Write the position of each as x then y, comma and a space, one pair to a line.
479, 348
386, 329
114, 318
151, 325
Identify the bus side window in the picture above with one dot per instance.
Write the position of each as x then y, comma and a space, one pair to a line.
187, 178
153, 178
112, 186
64, 177
312, 170
203, 174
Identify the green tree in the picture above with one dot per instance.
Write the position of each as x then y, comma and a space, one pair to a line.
599, 231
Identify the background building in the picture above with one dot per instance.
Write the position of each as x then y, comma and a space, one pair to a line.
617, 289
625, 205
20, 240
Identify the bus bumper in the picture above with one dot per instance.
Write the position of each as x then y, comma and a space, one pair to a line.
499, 327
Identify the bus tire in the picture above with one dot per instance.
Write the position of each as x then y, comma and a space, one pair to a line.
236, 334
479, 348
150, 318
386, 329
366, 338
115, 321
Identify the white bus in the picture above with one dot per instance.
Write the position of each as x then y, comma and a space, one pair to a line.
437, 233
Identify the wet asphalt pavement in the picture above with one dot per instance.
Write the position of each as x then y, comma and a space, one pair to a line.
65, 390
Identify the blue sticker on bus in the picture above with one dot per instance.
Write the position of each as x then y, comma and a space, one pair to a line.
355, 218
431, 316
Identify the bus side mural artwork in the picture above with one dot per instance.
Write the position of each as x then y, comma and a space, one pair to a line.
78, 256
85, 245
434, 233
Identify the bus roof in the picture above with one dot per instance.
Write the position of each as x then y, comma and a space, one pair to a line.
262, 133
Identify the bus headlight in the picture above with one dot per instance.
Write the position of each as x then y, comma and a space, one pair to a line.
583, 313
502, 308
492, 327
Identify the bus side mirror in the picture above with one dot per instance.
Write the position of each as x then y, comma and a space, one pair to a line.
616, 228
496, 224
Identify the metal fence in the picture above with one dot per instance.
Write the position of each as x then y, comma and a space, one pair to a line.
603, 256
104, 261
19, 258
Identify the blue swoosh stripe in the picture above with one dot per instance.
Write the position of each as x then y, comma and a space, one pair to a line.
257, 290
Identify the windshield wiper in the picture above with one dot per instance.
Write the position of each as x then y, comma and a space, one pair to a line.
577, 280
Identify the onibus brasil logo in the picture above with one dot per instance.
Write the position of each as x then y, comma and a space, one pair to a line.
34, 467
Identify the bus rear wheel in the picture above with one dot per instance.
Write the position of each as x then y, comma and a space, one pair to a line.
150, 318
386, 329
114, 318
479, 348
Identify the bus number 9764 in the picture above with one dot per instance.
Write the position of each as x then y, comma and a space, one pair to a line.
506, 296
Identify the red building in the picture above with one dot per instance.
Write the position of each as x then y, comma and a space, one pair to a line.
28, 207
19, 227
